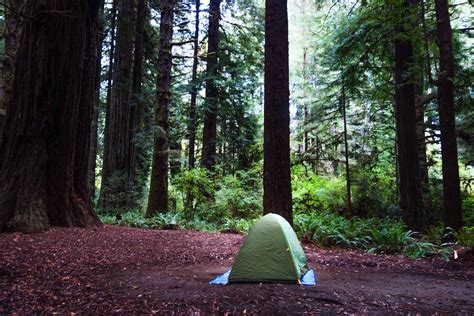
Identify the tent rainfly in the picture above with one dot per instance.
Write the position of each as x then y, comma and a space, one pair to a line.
271, 253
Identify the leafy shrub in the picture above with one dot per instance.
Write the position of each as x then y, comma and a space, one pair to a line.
373, 235
215, 199
233, 199
374, 195
136, 219
196, 187
468, 210
421, 249
238, 225
317, 193
466, 236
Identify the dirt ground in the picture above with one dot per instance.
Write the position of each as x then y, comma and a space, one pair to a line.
128, 270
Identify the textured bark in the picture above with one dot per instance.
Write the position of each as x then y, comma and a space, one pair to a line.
12, 38
96, 104
44, 158
208, 158
115, 181
449, 153
276, 165
136, 108
175, 157
158, 198
409, 181
194, 90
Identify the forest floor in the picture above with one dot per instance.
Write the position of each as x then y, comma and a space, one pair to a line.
128, 270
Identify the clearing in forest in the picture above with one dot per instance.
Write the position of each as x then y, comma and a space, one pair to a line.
123, 270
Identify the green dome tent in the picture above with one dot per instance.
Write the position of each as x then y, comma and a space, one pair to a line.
270, 253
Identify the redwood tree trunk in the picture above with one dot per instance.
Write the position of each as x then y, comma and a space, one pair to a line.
12, 38
409, 181
158, 198
194, 90
136, 106
115, 180
208, 159
449, 153
276, 165
44, 159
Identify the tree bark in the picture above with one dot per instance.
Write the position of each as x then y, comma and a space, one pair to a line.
409, 181
44, 158
276, 166
175, 156
194, 90
115, 180
158, 198
208, 158
449, 153
192, 107
12, 38
136, 106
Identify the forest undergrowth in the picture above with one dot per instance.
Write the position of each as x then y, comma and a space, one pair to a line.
233, 204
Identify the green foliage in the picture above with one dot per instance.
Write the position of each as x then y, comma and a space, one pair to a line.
235, 199
196, 183
374, 195
176, 220
216, 198
330, 229
382, 236
137, 219
239, 225
316, 192
468, 210
466, 236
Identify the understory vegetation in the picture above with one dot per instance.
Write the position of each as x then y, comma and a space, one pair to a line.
318, 204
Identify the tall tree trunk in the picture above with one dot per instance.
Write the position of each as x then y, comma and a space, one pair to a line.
346, 153
449, 153
175, 156
136, 106
208, 158
44, 158
96, 104
192, 107
409, 181
158, 198
110, 72
115, 181
276, 165
422, 60
194, 90
12, 32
